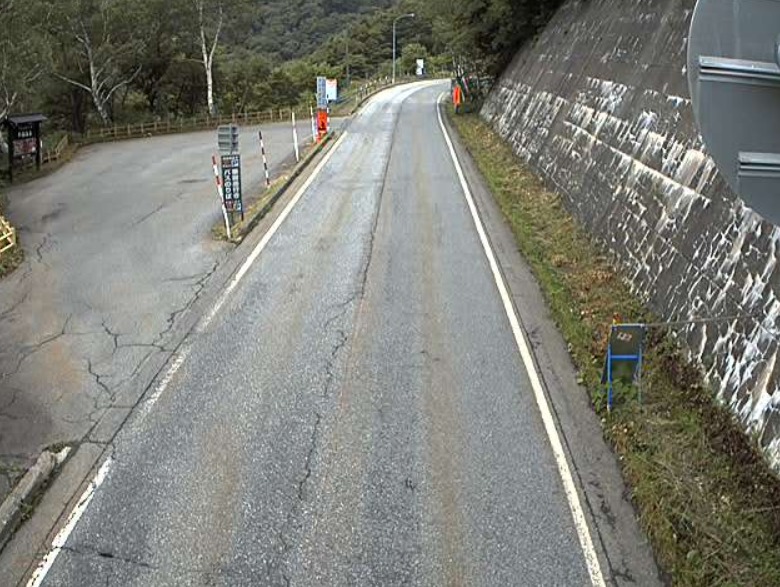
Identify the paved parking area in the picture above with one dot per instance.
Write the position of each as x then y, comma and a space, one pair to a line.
118, 245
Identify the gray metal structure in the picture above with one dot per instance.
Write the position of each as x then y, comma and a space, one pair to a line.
734, 78
227, 139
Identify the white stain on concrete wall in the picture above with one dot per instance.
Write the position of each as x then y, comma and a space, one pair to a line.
599, 106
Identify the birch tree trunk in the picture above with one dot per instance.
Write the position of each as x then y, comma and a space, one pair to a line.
208, 51
104, 77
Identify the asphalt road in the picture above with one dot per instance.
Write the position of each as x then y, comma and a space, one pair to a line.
356, 413
118, 245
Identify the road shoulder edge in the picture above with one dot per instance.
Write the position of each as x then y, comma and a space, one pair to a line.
623, 548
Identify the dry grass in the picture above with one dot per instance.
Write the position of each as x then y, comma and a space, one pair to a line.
11, 259
706, 498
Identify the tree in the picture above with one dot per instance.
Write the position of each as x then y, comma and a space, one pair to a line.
23, 52
243, 75
159, 22
99, 37
487, 33
211, 16
409, 56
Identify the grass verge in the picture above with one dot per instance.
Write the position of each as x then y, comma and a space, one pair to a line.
706, 498
265, 203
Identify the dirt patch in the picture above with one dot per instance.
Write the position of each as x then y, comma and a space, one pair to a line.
704, 494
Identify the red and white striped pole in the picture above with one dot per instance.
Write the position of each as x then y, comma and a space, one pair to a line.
265, 160
221, 195
295, 139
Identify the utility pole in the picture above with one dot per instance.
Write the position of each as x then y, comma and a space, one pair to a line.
349, 81
410, 15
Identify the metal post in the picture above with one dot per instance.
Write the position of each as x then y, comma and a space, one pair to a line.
221, 195
313, 125
609, 374
265, 160
295, 139
410, 15
394, 23
348, 78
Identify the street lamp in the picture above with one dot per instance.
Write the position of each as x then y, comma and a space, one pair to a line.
410, 15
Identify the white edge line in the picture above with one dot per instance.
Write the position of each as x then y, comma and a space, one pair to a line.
580, 522
180, 357
62, 536
268, 236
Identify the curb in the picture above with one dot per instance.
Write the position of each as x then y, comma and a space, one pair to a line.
23, 494
299, 169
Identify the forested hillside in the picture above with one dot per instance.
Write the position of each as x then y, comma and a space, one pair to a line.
92, 62
292, 29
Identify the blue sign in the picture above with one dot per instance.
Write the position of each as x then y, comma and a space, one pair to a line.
624, 356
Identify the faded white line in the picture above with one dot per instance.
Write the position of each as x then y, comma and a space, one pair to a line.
580, 522
62, 536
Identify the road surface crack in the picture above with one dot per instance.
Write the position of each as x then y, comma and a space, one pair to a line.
199, 286
99, 380
41, 246
13, 307
94, 552
309, 457
113, 335
28, 351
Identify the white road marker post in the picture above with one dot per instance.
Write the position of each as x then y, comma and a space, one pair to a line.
313, 125
295, 140
265, 159
221, 196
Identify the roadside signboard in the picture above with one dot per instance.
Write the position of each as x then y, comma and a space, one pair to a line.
231, 183
332, 90
420, 67
24, 138
322, 93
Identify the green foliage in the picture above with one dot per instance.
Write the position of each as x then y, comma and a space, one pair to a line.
87, 62
487, 33
407, 64
23, 53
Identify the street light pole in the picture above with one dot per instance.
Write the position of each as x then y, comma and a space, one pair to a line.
410, 15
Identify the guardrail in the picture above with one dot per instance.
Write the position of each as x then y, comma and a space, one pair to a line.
161, 127
206, 122
56, 153
7, 235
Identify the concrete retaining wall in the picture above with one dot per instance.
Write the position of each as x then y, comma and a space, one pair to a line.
599, 106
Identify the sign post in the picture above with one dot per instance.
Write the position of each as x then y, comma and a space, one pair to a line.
625, 352
265, 160
231, 184
24, 139
295, 139
218, 179
230, 174
322, 108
